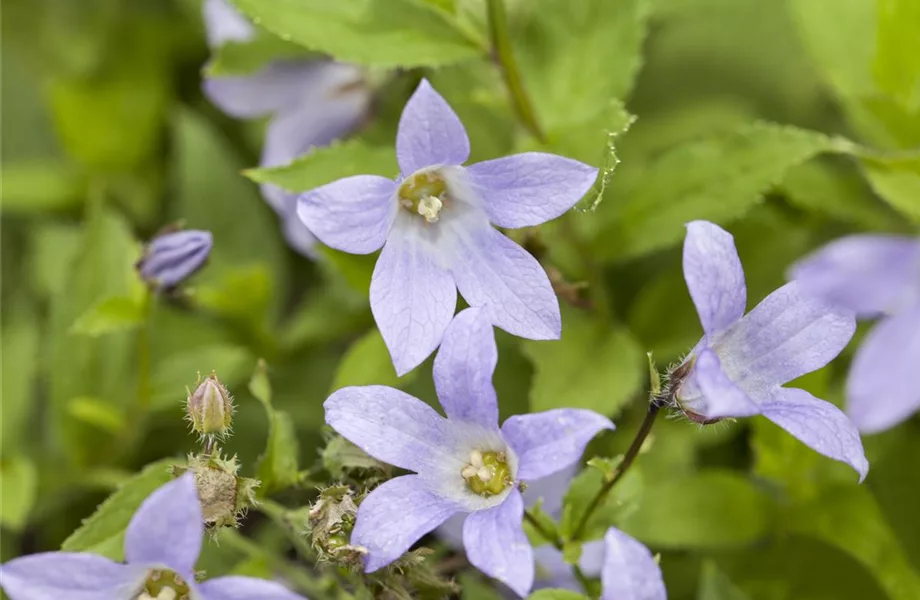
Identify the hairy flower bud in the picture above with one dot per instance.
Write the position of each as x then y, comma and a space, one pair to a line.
210, 408
171, 258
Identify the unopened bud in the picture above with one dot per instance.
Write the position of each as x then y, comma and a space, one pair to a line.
210, 408
171, 258
224, 495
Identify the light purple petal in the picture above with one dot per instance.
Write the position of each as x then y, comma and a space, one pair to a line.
552, 571
278, 86
395, 428
171, 258
630, 571
819, 425
331, 106
224, 24
531, 188
413, 298
493, 272
720, 396
550, 489
70, 575
168, 528
245, 588
868, 274
463, 369
430, 132
786, 336
552, 440
882, 386
592, 558
354, 214
394, 516
496, 544
714, 276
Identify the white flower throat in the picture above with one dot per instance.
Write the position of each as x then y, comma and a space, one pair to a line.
163, 584
424, 194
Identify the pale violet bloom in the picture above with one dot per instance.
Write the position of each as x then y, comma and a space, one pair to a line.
311, 103
171, 258
464, 463
739, 367
874, 276
435, 225
162, 544
628, 569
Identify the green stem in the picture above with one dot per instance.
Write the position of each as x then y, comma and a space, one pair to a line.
278, 515
555, 540
504, 54
631, 454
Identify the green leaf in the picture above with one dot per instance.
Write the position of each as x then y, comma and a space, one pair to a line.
590, 367
278, 465
242, 292
547, 524
839, 193
40, 187
607, 466
18, 488
579, 56
849, 518
897, 59
709, 510
898, 183
896, 489
379, 33
326, 164
103, 533
97, 413
118, 313
617, 507
368, 362
715, 585
355, 269
718, 178
554, 594
19, 348
235, 59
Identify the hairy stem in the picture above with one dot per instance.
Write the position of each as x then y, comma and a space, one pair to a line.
630, 456
504, 55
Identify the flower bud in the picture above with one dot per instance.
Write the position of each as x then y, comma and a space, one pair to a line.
210, 408
224, 495
171, 258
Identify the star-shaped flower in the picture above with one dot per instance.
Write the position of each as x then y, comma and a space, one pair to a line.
463, 464
739, 367
311, 103
162, 544
874, 276
434, 223
171, 258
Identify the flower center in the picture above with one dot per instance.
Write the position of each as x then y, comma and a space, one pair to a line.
424, 194
487, 474
163, 584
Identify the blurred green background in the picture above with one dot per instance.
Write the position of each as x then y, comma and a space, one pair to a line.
788, 122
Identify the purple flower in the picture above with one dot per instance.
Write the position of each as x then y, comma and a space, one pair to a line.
311, 103
463, 464
629, 571
740, 365
171, 258
162, 544
874, 275
434, 223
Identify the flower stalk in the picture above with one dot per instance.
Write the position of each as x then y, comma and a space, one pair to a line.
504, 55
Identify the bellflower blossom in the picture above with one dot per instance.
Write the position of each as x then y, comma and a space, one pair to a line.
171, 258
311, 102
628, 569
739, 367
162, 544
874, 276
463, 463
434, 223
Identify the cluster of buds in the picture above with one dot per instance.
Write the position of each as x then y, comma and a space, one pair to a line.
331, 519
